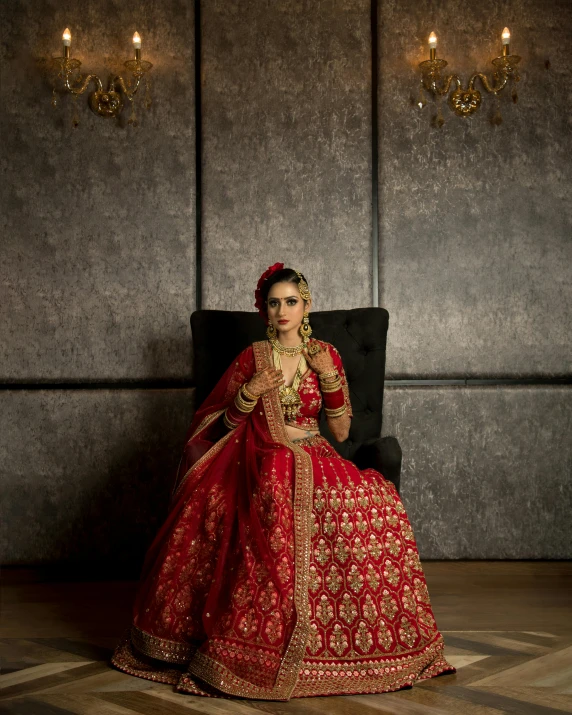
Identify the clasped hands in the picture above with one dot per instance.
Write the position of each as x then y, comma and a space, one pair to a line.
269, 378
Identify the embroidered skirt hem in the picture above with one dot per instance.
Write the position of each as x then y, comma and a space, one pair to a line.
314, 679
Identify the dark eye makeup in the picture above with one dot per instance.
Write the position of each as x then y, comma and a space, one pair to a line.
290, 301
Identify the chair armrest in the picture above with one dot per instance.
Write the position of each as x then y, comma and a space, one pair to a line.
382, 454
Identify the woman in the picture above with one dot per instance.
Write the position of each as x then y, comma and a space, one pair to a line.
282, 570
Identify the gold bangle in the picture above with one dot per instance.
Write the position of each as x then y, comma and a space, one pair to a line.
337, 412
245, 397
241, 403
248, 395
331, 386
241, 407
332, 373
227, 422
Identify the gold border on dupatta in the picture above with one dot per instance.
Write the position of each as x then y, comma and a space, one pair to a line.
205, 423
208, 669
215, 449
302, 511
209, 419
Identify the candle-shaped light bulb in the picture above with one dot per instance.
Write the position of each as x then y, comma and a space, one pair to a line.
432, 45
137, 46
66, 38
505, 41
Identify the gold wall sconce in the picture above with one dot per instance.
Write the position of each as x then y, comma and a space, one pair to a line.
465, 102
105, 103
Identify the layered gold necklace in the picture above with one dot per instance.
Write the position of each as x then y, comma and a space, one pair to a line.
290, 399
285, 349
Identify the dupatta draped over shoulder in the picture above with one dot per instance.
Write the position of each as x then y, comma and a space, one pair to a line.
282, 570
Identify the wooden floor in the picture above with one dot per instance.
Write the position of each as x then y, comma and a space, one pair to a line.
507, 628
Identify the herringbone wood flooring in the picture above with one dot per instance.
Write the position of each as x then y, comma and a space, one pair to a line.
507, 627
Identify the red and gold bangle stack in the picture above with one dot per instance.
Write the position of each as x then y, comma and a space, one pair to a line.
332, 394
238, 411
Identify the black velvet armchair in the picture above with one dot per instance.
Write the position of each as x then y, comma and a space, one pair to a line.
359, 335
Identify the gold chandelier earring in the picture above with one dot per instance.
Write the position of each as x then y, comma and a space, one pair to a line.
305, 328
270, 331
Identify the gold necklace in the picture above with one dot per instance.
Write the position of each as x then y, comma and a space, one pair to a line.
286, 350
290, 399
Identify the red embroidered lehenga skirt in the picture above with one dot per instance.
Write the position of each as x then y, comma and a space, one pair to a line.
282, 569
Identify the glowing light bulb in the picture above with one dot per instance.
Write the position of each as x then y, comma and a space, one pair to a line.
66, 37
137, 41
433, 41
505, 36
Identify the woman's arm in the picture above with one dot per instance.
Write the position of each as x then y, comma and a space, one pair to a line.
248, 393
327, 363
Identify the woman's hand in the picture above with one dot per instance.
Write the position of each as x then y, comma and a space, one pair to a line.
320, 361
264, 381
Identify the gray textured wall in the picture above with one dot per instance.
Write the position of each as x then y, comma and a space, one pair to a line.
98, 255
475, 227
475, 219
287, 147
98, 223
486, 470
98, 246
90, 471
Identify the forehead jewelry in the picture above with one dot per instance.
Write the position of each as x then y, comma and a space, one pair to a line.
303, 287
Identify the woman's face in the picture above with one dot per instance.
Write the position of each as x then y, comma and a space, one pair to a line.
286, 307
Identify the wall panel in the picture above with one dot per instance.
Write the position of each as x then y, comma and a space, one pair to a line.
87, 474
287, 148
98, 227
486, 470
476, 219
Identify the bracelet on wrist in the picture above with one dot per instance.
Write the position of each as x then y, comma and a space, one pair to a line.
248, 395
242, 404
331, 386
241, 407
325, 375
227, 421
337, 412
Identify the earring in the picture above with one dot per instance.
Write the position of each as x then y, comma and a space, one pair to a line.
305, 328
270, 331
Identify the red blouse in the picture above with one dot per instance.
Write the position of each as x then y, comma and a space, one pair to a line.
308, 417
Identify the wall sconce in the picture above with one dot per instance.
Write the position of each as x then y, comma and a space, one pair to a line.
465, 102
105, 103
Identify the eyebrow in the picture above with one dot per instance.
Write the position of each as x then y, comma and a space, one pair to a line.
287, 298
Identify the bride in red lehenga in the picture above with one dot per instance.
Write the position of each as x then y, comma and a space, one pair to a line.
282, 570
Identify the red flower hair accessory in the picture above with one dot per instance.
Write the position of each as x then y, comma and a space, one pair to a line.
259, 303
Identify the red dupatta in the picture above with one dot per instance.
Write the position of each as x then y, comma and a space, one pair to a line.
224, 588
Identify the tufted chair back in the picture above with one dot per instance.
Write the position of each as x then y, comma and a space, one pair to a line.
359, 335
